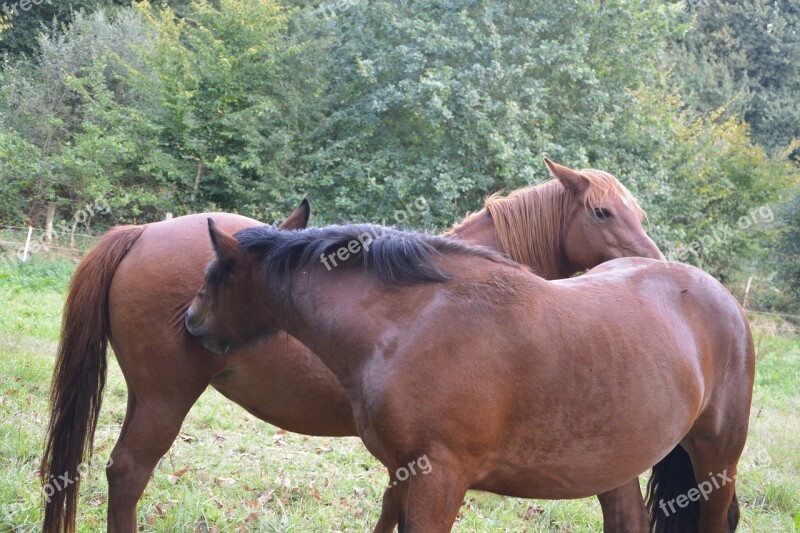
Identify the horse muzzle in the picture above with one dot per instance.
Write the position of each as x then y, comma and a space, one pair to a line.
194, 328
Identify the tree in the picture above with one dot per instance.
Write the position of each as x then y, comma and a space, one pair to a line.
74, 115
236, 97
454, 100
744, 57
23, 26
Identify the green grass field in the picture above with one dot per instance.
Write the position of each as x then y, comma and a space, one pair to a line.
228, 471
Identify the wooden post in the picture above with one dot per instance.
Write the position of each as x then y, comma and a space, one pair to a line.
197, 176
72, 234
51, 215
746, 299
27, 244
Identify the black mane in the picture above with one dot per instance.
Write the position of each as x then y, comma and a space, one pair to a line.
395, 256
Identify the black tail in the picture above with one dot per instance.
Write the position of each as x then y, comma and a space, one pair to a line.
671, 477
733, 513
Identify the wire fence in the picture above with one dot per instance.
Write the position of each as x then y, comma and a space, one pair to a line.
11, 249
25, 230
18, 244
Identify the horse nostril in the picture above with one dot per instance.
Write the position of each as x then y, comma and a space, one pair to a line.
193, 329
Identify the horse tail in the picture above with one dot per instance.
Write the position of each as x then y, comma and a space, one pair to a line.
733, 513
79, 377
671, 477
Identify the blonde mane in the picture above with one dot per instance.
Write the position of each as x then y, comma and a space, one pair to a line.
529, 221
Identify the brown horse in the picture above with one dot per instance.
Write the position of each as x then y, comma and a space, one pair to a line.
496, 379
134, 286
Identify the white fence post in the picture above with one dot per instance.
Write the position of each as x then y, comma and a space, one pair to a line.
27, 244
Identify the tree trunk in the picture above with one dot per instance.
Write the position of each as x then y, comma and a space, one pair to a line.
197, 175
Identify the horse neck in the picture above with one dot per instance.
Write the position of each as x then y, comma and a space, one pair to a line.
317, 305
529, 228
475, 229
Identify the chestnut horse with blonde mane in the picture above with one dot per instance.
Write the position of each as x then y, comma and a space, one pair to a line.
134, 286
501, 380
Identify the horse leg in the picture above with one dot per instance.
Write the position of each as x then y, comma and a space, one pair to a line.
151, 424
624, 510
715, 469
389, 511
717, 438
435, 498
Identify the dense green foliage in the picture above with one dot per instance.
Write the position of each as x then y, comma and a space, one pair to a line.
744, 57
247, 105
21, 21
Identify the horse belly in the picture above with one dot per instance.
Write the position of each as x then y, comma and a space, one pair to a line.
569, 476
282, 382
593, 428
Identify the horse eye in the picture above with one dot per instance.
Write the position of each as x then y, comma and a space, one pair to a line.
602, 213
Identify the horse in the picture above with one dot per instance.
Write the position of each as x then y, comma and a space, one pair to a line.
141, 279
497, 379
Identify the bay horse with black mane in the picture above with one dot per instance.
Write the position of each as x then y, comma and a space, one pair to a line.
133, 288
503, 381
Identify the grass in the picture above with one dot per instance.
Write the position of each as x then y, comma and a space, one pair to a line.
229, 471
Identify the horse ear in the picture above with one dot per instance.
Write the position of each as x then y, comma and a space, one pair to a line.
225, 245
299, 217
572, 180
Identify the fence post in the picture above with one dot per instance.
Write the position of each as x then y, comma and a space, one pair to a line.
27, 244
51, 215
746, 298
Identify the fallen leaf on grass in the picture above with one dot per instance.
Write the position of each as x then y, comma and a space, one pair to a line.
224, 481
325, 448
532, 511
175, 476
314, 491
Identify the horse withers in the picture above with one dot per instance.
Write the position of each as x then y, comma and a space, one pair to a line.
502, 381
